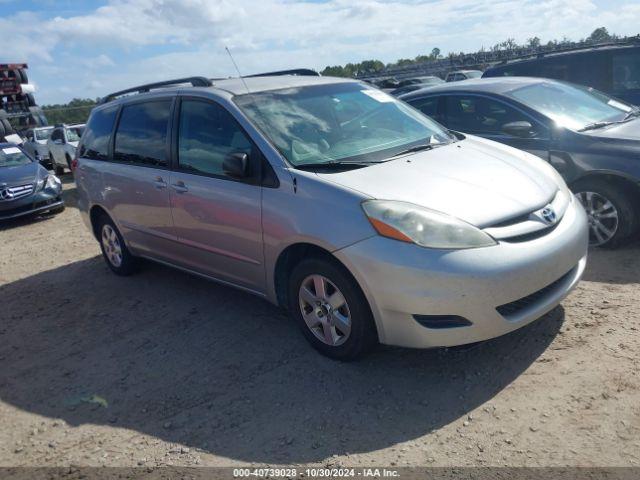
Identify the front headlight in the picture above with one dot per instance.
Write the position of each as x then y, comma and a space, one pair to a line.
53, 182
411, 223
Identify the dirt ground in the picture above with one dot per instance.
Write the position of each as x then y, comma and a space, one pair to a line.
163, 368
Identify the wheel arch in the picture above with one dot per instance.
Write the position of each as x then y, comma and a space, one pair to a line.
95, 212
296, 252
629, 184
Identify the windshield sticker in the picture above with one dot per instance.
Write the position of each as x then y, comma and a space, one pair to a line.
620, 106
8, 151
379, 96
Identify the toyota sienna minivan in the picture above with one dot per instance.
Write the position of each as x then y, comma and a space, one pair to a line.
365, 219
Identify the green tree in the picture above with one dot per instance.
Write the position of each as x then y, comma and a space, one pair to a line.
599, 35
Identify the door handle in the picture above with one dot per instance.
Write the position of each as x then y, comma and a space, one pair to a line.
179, 187
159, 183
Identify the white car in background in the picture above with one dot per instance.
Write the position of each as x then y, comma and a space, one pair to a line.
62, 145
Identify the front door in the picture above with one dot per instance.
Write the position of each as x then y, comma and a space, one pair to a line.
217, 218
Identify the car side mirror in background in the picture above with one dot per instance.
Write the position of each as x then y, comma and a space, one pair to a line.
236, 165
518, 129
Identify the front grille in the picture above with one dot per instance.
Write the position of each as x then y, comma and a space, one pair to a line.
513, 308
8, 194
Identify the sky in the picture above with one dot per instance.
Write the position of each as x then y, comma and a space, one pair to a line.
86, 49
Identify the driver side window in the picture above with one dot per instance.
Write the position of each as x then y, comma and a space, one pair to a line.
480, 115
207, 134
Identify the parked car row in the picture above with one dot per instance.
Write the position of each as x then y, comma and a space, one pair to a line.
54, 147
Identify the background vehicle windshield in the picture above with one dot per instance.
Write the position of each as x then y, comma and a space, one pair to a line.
43, 134
571, 106
473, 74
13, 157
338, 122
74, 134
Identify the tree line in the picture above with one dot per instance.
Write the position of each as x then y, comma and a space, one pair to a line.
599, 35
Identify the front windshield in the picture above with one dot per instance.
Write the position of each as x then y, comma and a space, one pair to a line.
43, 134
571, 106
338, 123
12, 157
473, 74
74, 134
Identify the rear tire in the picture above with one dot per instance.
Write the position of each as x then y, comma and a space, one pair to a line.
337, 312
610, 208
114, 251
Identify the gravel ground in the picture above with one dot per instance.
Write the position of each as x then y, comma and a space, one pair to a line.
162, 368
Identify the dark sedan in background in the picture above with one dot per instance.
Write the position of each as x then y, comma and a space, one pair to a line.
592, 139
26, 187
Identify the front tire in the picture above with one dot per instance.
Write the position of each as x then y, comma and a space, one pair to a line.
57, 168
114, 251
609, 207
331, 310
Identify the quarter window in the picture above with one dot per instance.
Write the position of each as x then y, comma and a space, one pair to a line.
208, 133
95, 144
142, 133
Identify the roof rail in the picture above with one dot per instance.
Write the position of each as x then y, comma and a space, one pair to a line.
194, 81
631, 42
306, 72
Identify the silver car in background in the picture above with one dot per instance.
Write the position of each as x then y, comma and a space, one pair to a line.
364, 218
36, 145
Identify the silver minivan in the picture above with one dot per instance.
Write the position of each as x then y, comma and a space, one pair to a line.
365, 219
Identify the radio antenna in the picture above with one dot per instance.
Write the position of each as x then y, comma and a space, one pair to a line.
237, 69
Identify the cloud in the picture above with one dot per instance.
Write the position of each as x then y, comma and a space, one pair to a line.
129, 42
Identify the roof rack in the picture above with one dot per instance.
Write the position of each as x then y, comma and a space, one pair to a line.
306, 72
194, 81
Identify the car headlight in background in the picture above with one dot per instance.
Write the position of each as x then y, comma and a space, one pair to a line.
50, 182
53, 182
414, 224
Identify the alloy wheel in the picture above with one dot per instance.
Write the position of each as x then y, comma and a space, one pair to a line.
602, 215
111, 245
325, 310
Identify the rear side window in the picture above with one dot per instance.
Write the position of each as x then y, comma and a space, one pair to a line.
208, 133
95, 144
141, 137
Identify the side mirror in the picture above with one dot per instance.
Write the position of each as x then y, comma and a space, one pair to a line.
236, 165
518, 129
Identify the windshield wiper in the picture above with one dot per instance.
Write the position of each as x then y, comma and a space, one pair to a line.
596, 125
333, 165
631, 114
418, 148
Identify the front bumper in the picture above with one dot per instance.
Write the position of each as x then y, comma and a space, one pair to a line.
39, 202
525, 279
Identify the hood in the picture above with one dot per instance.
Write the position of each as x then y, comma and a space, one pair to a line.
41, 142
629, 130
476, 180
20, 175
